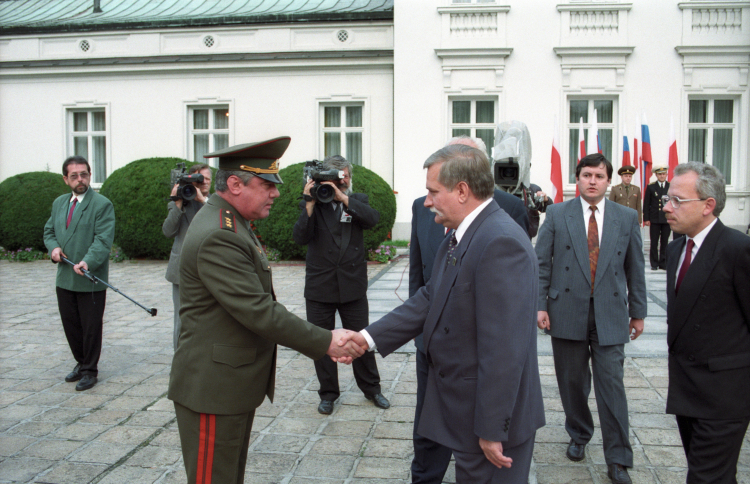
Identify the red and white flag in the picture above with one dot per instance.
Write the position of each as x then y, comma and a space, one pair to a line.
581, 148
672, 149
556, 168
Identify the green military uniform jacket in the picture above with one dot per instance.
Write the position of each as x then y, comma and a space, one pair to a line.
225, 362
88, 238
630, 198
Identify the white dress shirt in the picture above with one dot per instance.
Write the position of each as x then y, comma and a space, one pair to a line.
598, 216
697, 241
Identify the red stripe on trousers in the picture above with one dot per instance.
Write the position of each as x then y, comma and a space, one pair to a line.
201, 450
210, 454
207, 438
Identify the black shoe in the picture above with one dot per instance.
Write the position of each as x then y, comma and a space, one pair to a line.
654, 268
379, 400
87, 381
619, 474
325, 407
576, 452
74, 375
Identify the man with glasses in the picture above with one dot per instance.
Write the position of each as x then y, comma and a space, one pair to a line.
708, 325
655, 219
81, 228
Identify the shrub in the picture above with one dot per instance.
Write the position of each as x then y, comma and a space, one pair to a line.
276, 230
139, 192
26, 206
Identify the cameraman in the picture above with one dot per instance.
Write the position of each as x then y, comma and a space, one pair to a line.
336, 276
542, 202
181, 213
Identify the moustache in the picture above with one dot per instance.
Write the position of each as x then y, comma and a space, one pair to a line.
434, 210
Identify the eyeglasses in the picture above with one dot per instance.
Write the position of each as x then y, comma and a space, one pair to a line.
676, 201
75, 176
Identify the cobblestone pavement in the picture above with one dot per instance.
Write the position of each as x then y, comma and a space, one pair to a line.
124, 429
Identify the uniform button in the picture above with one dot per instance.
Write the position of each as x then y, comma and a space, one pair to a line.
697, 327
691, 358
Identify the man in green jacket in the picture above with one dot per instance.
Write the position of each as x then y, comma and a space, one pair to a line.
81, 229
225, 362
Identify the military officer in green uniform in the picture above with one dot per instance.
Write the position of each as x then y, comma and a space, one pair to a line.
225, 363
627, 194
81, 228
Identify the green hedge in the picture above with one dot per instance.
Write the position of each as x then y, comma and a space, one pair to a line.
139, 192
276, 230
25, 207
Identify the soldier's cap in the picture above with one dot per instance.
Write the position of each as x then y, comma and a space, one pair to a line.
626, 170
660, 169
261, 158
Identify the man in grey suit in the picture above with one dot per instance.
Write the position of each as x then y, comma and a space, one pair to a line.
591, 268
483, 398
180, 214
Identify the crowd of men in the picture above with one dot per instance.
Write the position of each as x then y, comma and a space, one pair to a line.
476, 287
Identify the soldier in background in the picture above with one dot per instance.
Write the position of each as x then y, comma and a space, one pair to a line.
627, 194
653, 217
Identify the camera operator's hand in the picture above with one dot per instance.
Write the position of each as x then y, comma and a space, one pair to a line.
543, 195
309, 206
174, 194
339, 196
199, 197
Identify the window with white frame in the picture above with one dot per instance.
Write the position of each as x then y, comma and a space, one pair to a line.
474, 118
208, 129
711, 133
87, 137
343, 130
606, 126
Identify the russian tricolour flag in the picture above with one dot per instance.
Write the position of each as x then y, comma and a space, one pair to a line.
625, 149
646, 152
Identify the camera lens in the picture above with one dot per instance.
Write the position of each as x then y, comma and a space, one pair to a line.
324, 193
188, 192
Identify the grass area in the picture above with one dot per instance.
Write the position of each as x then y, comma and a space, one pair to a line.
399, 243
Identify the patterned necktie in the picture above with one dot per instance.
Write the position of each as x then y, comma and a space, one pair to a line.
70, 214
685, 264
593, 245
452, 246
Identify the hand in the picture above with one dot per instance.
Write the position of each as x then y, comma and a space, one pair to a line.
357, 338
636, 328
542, 320
57, 254
646, 223
174, 194
542, 194
338, 195
341, 349
306, 191
81, 265
494, 453
199, 197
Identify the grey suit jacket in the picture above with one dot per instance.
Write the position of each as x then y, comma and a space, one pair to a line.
477, 313
565, 274
175, 226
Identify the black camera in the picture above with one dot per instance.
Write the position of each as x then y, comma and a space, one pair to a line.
507, 172
316, 171
186, 190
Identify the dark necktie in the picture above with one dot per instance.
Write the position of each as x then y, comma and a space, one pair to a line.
70, 214
627, 191
452, 246
593, 245
685, 264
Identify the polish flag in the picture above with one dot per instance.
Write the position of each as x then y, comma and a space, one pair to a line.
556, 168
594, 145
581, 148
672, 149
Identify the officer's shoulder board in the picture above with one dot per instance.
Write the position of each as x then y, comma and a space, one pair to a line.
227, 221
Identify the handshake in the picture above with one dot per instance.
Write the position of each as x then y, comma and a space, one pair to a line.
346, 346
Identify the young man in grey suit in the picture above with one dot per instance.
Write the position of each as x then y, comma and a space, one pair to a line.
81, 228
708, 319
483, 397
179, 215
591, 279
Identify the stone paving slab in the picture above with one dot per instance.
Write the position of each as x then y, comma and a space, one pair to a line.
124, 429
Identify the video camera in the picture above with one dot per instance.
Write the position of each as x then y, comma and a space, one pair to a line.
316, 171
512, 166
186, 190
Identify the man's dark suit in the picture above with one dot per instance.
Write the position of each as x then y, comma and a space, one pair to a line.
709, 352
479, 338
336, 279
431, 459
594, 325
659, 229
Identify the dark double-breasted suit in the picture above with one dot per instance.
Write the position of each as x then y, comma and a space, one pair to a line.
336, 280
709, 351
479, 337
653, 212
431, 459
583, 323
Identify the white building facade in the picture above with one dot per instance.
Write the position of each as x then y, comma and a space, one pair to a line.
387, 87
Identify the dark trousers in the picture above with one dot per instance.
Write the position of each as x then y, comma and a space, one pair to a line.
354, 316
214, 447
82, 316
475, 468
574, 382
431, 459
712, 448
659, 234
